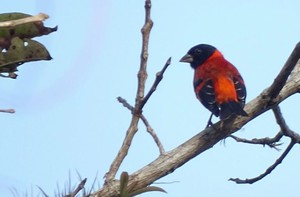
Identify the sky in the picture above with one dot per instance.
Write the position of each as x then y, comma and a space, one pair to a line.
68, 119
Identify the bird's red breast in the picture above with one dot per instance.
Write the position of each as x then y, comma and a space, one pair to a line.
221, 72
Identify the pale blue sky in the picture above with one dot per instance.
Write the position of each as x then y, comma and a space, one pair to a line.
67, 117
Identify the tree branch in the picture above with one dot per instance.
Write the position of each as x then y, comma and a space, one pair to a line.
142, 76
285, 72
151, 131
268, 171
37, 18
159, 77
125, 104
285, 131
284, 127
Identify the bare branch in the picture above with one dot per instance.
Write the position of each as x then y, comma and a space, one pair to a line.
159, 77
268, 171
37, 18
142, 76
284, 127
271, 142
123, 150
286, 131
262, 102
280, 120
153, 134
285, 72
125, 104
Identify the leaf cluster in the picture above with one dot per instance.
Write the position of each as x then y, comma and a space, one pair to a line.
17, 46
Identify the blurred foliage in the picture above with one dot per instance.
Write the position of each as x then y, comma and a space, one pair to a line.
17, 46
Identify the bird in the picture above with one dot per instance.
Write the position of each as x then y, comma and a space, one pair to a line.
218, 85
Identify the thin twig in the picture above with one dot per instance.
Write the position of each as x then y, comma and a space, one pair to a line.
150, 130
283, 126
37, 18
271, 142
280, 120
268, 171
125, 104
159, 77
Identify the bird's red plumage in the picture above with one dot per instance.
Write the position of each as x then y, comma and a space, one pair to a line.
220, 71
217, 83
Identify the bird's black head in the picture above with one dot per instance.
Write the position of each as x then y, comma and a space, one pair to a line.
198, 54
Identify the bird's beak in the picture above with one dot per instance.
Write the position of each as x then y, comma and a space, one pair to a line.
187, 58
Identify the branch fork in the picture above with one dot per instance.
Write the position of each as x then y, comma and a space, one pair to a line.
281, 83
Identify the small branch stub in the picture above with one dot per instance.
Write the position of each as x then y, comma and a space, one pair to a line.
11, 111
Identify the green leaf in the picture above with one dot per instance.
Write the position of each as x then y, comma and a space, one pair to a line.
124, 190
20, 52
28, 30
123, 184
147, 189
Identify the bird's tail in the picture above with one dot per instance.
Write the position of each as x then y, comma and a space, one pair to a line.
231, 107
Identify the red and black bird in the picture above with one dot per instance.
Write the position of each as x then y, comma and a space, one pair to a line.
217, 83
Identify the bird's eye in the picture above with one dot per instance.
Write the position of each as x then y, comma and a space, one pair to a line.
198, 51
